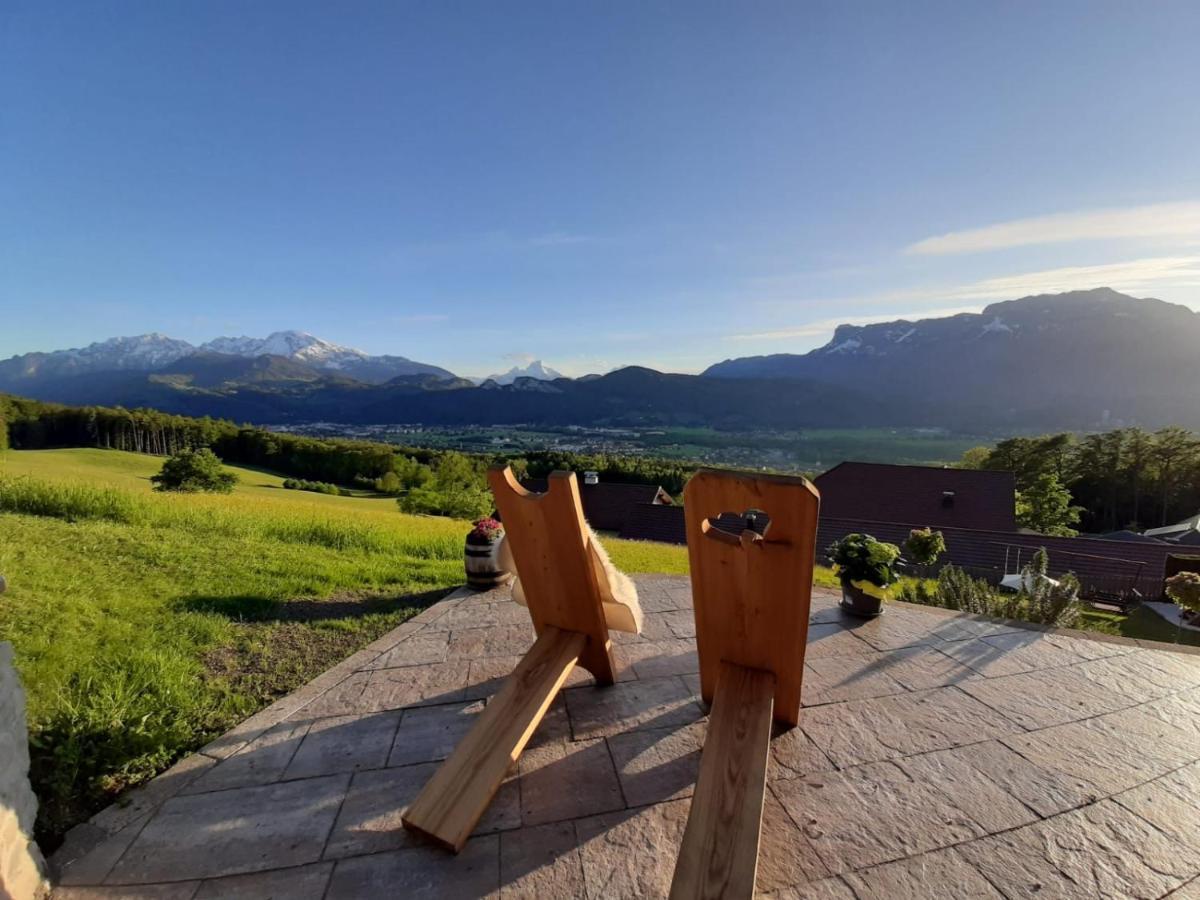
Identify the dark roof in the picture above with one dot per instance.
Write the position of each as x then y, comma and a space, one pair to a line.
1132, 537
878, 492
607, 505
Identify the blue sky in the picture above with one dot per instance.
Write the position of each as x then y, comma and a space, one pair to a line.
592, 184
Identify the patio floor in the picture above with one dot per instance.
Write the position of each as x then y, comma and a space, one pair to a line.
937, 756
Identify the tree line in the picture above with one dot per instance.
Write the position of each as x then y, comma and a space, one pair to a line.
1127, 478
441, 482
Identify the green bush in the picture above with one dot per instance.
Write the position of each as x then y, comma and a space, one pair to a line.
193, 471
316, 487
458, 489
1040, 602
1184, 589
925, 545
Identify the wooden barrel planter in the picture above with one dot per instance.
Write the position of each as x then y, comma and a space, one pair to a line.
483, 566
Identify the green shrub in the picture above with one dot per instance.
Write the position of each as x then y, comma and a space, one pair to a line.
193, 471
1040, 601
925, 545
316, 487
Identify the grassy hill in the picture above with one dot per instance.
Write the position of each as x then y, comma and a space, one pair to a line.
145, 624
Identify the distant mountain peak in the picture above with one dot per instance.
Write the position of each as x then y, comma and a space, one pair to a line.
292, 344
536, 370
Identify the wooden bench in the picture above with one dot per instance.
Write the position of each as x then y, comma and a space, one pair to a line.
752, 593
550, 546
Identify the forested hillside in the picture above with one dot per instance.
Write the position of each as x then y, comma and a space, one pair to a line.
1126, 478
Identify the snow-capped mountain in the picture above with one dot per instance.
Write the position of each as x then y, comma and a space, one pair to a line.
536, 369
141, 353
152, 352
298, 345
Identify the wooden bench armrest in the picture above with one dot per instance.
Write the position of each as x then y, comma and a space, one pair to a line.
719, 855
455, 798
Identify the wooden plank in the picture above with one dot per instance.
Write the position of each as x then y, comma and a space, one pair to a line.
549, 539
752, 592
454, 799
719, 855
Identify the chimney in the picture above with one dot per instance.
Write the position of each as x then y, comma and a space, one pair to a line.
591, 477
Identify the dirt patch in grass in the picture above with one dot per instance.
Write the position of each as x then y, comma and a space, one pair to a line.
275, 655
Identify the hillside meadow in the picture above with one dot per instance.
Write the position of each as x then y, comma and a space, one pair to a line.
145, 624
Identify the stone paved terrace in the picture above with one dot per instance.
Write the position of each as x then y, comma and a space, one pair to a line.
938, 756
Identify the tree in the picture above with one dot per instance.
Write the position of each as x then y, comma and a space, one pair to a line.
1045, 506
1140, 449
975, 458
191, 471
458, 489
1172, 447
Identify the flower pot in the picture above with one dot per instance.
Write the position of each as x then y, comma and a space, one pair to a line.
858, 602
483, 566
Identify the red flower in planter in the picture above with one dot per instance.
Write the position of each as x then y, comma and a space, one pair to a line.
486, 531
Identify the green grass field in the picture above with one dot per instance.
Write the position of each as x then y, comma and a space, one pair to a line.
145, 624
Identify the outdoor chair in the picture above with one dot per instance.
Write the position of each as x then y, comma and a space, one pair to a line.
752, 593
574, 596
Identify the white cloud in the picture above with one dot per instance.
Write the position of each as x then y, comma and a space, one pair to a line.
521, 359
1133, 275
1158, 220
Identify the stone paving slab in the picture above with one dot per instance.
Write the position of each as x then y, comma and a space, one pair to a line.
938, 755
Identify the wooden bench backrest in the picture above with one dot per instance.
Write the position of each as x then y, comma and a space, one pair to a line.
548, 538
752, 593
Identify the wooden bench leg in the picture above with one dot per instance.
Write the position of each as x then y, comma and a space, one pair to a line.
454, 799
719, 855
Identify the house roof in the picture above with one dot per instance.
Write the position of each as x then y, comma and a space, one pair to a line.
606, 505
922, 495
1132, 537
1192, 524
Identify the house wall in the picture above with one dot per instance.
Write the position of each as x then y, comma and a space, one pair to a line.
21, 864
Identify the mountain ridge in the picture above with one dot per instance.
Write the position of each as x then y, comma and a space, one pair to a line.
1076, 361
153, 351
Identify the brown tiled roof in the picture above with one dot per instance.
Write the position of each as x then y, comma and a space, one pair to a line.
607, 505
886, 493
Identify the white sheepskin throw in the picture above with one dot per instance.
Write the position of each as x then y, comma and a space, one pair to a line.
622, 611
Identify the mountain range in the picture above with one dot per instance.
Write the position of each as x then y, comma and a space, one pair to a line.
152, 352
1077, 360
536, 369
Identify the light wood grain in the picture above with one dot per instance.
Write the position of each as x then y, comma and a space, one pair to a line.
752, 593
454, 799
549, 543
719, 855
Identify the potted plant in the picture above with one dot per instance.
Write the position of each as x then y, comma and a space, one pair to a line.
924, 546
482, 555
1184, 589
859, 559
